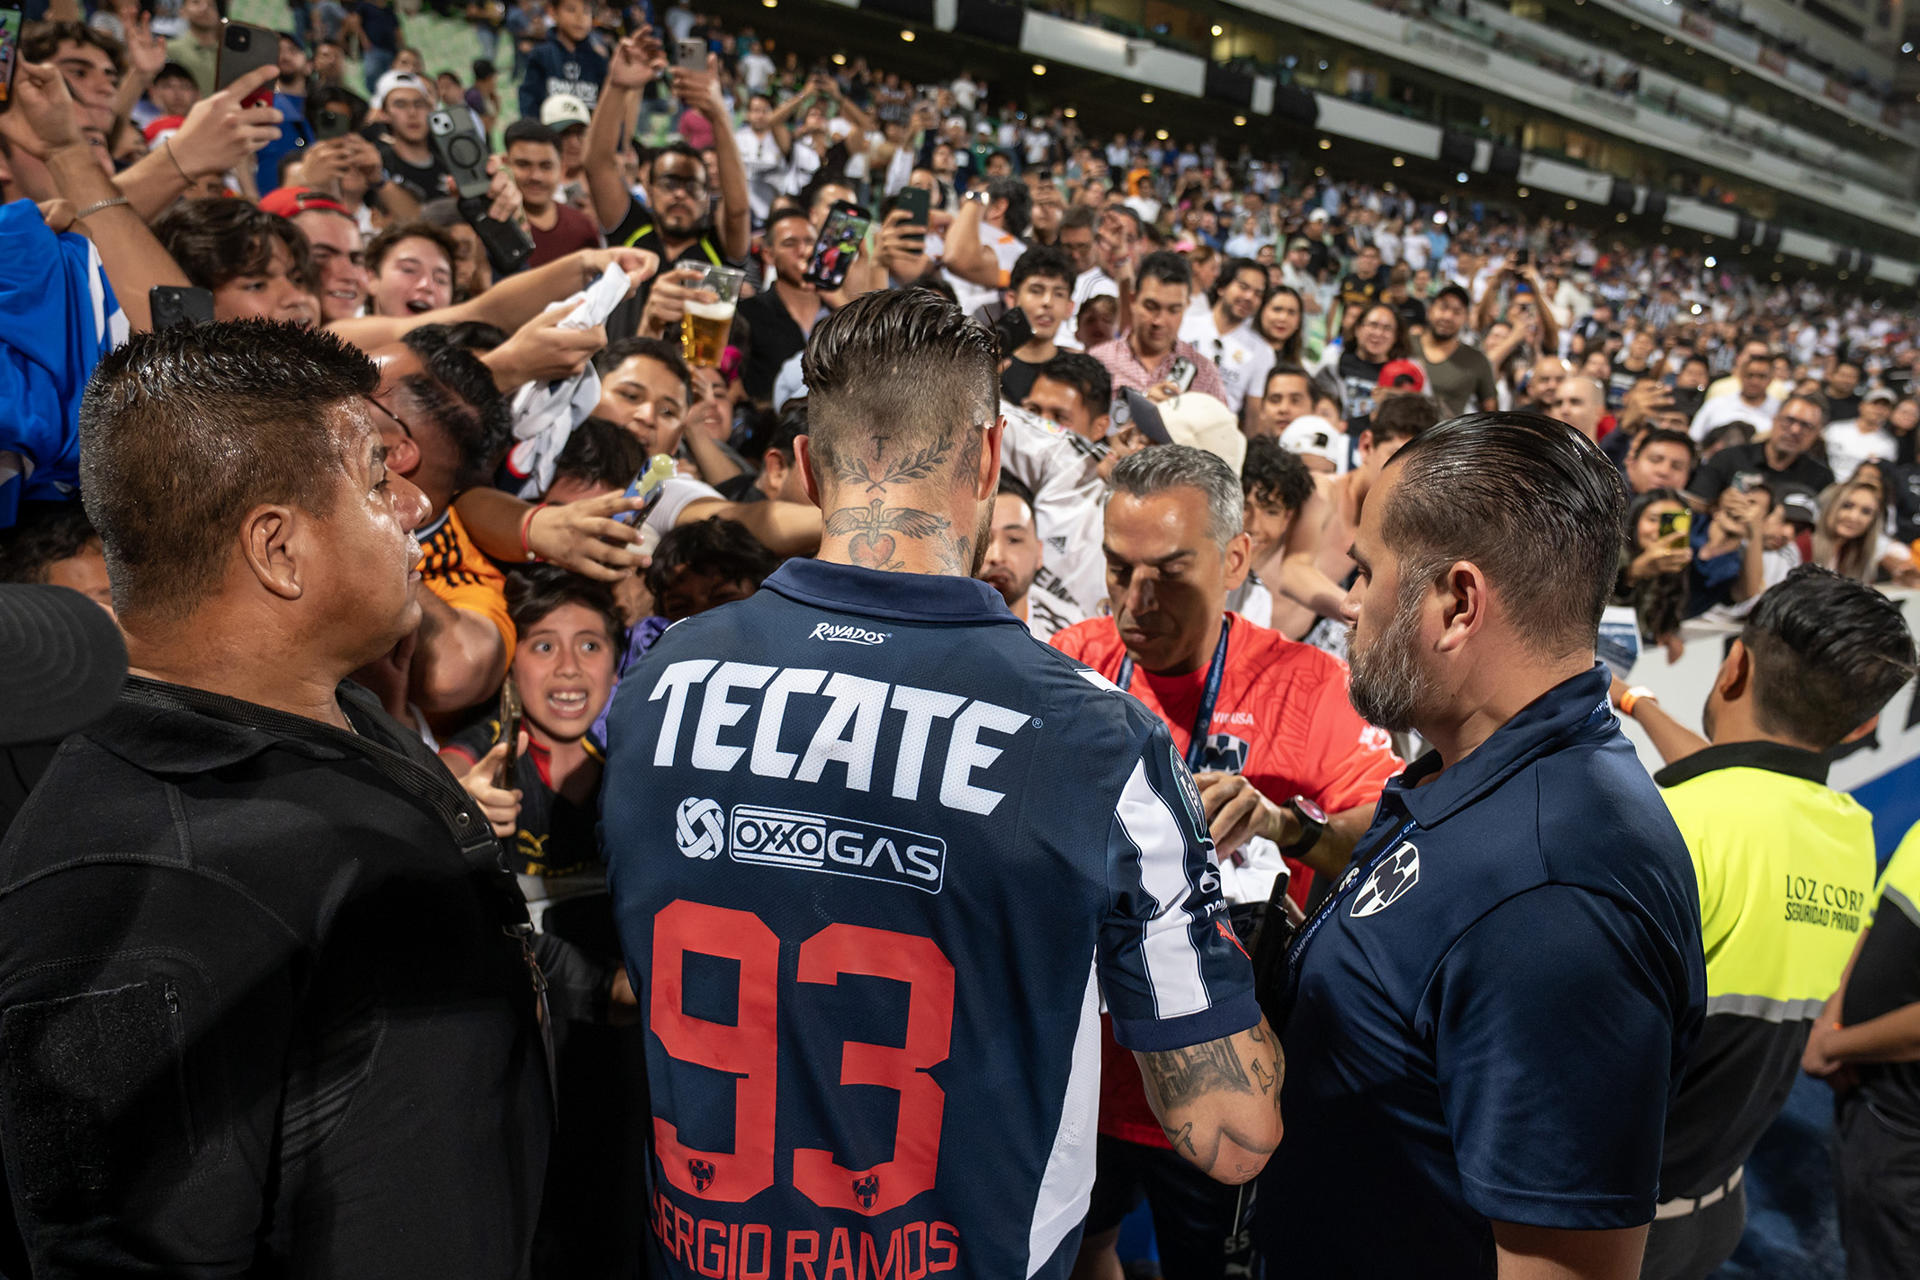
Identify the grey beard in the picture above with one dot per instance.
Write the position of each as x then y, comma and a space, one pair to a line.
1386, 683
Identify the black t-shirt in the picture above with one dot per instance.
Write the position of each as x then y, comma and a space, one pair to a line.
1905, 501
1717, 472
556, 835
639, 229
1017, 381
1359, 378
423, 182
1886, 976
773, 338
1842, 408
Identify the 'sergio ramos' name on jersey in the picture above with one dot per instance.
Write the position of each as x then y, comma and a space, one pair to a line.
750, 715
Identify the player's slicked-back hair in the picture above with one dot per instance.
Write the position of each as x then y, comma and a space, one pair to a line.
898, 375
1528, 499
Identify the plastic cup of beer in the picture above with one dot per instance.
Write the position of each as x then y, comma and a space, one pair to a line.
710, 303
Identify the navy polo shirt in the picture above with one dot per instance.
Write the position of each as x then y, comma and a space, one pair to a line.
1491, 1016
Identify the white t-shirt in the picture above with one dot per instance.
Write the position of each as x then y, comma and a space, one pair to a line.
1718, 413
1241, 356
1252, 601
766, 169
1007, 248
677, 493
1848, 447
1063, 472
756, 69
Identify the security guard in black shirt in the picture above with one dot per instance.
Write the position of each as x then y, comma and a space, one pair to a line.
267, 1006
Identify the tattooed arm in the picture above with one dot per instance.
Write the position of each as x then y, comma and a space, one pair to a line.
1219, 1102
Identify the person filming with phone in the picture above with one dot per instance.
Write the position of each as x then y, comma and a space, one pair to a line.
1150, 357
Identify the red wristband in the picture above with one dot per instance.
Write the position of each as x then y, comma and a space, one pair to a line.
526, 524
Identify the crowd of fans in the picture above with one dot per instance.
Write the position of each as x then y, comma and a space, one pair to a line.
1146, 291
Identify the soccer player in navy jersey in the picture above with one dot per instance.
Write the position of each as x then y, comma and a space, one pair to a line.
876, 856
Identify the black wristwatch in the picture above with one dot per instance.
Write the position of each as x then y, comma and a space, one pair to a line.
1313, 822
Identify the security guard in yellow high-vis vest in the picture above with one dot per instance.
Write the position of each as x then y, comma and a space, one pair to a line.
1785, 867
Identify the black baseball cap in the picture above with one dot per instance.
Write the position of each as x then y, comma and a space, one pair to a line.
1457, 292
65, 662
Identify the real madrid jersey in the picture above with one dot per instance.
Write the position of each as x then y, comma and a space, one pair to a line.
876, 856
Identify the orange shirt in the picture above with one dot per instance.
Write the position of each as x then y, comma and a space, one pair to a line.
457, 571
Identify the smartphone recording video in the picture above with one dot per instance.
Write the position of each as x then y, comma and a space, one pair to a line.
834, 252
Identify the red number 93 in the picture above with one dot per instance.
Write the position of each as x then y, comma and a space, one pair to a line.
749, 1050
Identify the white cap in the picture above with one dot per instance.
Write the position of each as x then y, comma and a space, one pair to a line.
561, 110
401, 80
1312, 436
1205, 423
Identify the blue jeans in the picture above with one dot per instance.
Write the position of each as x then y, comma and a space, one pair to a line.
375, 63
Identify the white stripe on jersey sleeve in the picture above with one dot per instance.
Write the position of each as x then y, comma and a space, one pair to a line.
1167, 953
1066, 1188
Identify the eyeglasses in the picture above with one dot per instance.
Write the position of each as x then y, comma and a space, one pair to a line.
397, 420
685, 186
1801, 423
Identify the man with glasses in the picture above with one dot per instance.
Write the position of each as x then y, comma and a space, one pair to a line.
1779, 457
677, 221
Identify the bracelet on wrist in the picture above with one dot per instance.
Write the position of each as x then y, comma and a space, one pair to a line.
98, 205
167, 143
526, 527
1634, 697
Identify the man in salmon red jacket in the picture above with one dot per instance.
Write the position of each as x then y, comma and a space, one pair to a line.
1288, 773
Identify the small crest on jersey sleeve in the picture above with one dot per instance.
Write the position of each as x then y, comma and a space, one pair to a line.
1189, 796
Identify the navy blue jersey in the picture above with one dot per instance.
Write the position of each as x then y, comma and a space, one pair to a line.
1492, 1010
871, 845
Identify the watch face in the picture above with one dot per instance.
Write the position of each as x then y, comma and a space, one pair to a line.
1310, 810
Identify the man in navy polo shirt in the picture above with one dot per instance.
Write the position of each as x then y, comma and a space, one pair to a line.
1489, 1014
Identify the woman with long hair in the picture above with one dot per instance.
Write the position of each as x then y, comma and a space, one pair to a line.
1653, 566
1848, 531
1279, 322
1378, 336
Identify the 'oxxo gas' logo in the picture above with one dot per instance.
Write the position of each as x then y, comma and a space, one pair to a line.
837, 846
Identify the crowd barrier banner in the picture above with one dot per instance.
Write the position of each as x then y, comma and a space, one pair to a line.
1882, 772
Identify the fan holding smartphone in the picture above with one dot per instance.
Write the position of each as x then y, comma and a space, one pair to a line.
780, 317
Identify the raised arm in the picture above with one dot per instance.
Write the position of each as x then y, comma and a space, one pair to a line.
635, 61
217, 136
735, 220
133, 259
1219, 1102
966, 255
